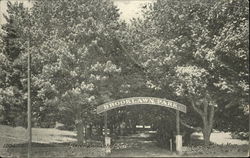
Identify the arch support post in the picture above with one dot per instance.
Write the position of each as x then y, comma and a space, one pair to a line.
107, 139
178, 137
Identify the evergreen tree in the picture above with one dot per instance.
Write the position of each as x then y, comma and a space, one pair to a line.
13, 70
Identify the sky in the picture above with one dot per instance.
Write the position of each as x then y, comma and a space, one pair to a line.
128, 8
3, 8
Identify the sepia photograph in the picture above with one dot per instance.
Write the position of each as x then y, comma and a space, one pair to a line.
124, 78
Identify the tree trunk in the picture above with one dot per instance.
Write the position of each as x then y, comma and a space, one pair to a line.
207, 115
85, 132
79, 127
119, 129
100, 130
206, 136
80, 135
206, 131
111, 127
134, 128
90, 130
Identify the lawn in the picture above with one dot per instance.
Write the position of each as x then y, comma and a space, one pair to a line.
53, 142
45, 142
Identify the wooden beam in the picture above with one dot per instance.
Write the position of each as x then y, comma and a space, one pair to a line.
177, 122
106, 123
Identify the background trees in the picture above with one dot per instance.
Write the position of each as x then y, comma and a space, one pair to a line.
186, 47
73, 45
194, 52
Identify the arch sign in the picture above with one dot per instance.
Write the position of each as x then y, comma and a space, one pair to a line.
141, 100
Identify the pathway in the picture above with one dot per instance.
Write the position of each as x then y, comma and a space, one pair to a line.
138, 145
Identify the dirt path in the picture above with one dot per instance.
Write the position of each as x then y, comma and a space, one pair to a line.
138, 145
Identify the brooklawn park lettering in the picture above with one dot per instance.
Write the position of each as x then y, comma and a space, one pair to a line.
141, 100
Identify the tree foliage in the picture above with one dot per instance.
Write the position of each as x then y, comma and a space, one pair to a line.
194, 52
197, 49
12, 68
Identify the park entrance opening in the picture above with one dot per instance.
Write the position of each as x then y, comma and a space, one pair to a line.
104, 108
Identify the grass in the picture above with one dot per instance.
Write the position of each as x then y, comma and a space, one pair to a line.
39, 135
45, 142
215, 150
222, 138
61, 143
222, 145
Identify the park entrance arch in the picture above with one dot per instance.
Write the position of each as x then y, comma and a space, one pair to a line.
104, 108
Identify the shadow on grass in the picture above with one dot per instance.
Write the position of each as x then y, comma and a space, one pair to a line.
69, 136
57, 149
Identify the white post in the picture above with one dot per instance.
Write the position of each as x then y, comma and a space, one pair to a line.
178, 141
178, 137
108, 145
107, 139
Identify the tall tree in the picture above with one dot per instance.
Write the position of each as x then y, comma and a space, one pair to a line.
197, 49
71, 47
12, 66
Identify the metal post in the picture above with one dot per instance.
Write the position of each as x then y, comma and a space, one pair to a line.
105, 124
29, 105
